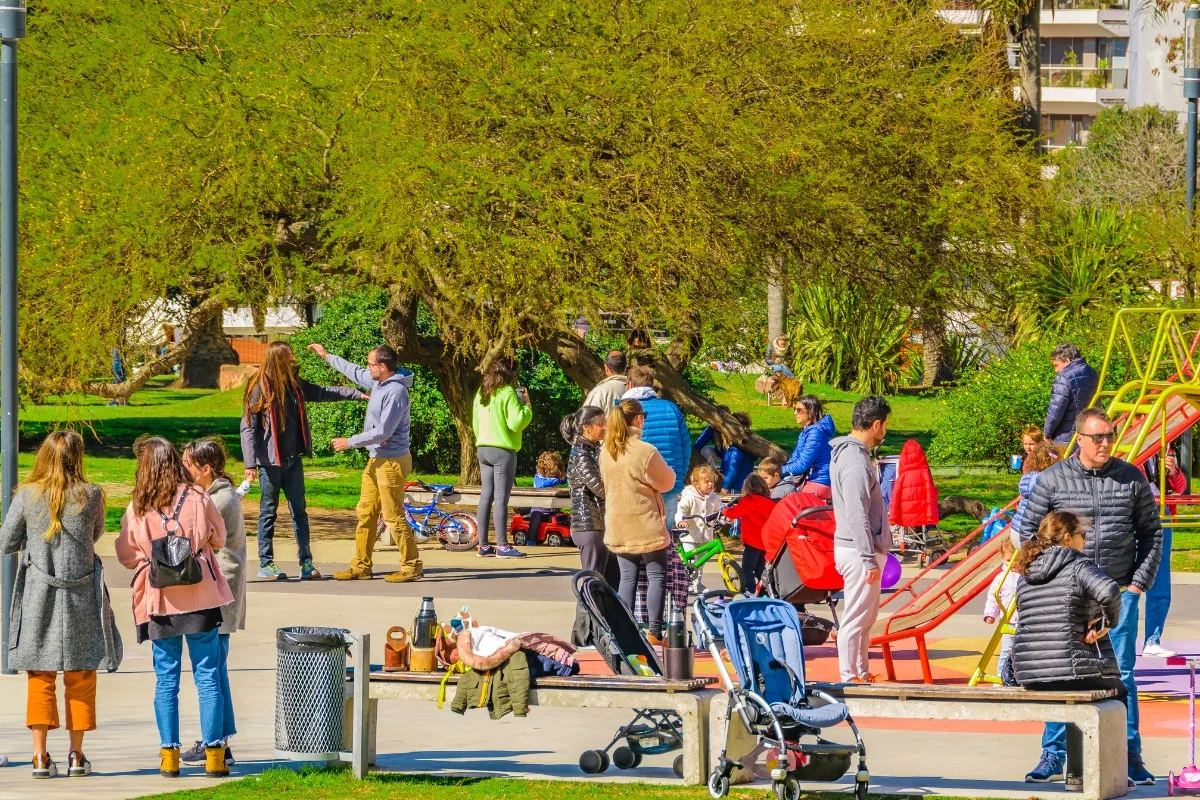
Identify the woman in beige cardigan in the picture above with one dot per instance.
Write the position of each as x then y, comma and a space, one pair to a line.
635, 520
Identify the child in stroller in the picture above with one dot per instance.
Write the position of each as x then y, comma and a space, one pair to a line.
772, 699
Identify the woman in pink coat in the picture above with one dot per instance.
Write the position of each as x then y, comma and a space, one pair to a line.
165, 500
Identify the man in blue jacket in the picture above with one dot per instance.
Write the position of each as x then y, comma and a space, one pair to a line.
665, 428
1073, 389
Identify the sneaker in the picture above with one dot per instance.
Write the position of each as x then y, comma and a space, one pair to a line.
1138, 772
1156, 650
353, 575
508, 551
271, 572
229, 762
656, 641
77, 765
195, 755
309, 571
485, 551
3, 761
44, 767
1048, 769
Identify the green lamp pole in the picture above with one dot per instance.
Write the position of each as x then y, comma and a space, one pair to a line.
1191, 92
12, 30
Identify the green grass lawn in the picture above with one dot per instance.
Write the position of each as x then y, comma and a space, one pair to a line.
334, 784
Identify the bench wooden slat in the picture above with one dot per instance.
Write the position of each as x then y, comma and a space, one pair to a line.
601, 682
1000, 694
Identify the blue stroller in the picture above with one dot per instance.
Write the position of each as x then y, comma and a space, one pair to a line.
772, 700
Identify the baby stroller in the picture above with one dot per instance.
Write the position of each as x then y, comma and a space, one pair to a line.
617, 637
912, 500
763, 640
798, 539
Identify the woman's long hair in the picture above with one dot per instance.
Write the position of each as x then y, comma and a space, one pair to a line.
1041, 457
502, 373
208, 452
58, 472
573, 424
1056, 530
274, 380
619, 422
160, 470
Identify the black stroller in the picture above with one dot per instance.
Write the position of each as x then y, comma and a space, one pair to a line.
616, 636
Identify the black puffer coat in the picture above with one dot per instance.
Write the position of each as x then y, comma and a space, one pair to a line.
1124, 537
1071, 392
587, 489
1061, 593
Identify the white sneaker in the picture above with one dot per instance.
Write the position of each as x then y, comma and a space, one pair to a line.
1156, 650
3, 761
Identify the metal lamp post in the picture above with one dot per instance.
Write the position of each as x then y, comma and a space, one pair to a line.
12, 29
1191, 91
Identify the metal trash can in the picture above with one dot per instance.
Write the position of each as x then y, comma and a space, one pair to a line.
310, 676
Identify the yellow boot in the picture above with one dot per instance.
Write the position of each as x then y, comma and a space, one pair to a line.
214, 762
169, 768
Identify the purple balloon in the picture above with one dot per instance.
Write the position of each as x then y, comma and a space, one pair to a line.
891, 571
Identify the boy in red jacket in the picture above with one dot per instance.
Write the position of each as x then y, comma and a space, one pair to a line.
753, 509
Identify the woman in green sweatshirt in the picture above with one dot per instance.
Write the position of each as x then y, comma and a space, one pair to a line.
500, 412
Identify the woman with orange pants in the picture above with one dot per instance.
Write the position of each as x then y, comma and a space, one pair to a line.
61, 617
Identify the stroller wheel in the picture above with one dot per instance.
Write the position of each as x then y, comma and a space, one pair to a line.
788, 790
593, 762
718, 784
626, 758
677, 767
860, 789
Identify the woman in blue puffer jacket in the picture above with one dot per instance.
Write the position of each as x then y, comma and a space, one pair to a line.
812, 453
736, 463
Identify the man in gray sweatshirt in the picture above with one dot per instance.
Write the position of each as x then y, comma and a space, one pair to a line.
385, 437
862, 535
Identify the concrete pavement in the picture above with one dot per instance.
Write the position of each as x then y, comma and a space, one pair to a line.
531, 594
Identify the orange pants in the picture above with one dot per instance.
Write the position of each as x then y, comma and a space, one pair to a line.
42, 704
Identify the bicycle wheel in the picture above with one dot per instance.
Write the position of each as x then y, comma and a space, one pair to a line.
458, 531
731, 573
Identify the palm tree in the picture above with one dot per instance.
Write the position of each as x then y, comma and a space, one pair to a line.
1021, 21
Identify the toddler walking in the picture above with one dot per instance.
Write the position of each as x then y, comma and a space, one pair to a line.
1003, 586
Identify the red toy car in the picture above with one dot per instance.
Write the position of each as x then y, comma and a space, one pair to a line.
555, 531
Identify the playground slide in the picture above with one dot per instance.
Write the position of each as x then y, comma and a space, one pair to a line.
924, 611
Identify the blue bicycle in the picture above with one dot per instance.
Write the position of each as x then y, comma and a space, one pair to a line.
455, 530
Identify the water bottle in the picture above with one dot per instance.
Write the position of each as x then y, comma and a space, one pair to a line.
243, 488
425, 625
676, 628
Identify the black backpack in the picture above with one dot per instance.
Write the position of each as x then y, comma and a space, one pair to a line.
172, 561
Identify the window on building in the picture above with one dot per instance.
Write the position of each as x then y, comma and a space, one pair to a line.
1063, 50
1060, 130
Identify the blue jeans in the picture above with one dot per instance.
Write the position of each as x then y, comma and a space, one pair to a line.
289, 478
671, 503
1124, 641
228, 724
1158, 597
204, 650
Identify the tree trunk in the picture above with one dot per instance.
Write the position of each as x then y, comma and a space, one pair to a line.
776, 301
458, 378
933, 346
585, 368
202, 367
1029, 65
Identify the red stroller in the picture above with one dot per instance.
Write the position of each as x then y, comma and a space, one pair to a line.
912, 502
798, 538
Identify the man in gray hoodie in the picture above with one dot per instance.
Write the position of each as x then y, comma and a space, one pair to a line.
861, 536
607, 393
385, 436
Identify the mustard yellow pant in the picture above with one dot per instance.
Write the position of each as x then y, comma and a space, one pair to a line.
383, 493
42, 703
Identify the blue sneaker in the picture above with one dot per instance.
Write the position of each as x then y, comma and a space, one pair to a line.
1138, 772
1048, 769
309, 571
508, 551
485, 551
272, 572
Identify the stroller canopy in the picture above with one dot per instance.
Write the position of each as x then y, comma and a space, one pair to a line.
614, 632
809, 540
763, 640
914, 500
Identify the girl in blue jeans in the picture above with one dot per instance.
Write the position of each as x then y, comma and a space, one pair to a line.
166, 501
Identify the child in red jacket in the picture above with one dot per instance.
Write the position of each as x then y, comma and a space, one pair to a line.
753, 509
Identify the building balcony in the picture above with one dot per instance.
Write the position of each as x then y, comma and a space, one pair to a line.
1102, 18
1082, 90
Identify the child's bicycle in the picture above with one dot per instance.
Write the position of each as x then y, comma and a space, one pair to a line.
695, 559
455, 530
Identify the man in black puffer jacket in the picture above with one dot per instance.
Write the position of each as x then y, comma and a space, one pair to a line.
1124, 540
1072, 391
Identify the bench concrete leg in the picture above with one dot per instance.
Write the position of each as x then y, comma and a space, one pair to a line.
693, 709
1105, 750
735, 740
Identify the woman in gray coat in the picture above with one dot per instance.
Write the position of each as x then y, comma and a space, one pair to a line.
205, 461
61, 617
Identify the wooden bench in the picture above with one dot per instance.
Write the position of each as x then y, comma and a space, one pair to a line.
1096, 745
690, 699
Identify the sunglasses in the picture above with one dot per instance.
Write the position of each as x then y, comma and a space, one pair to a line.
1100, 438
